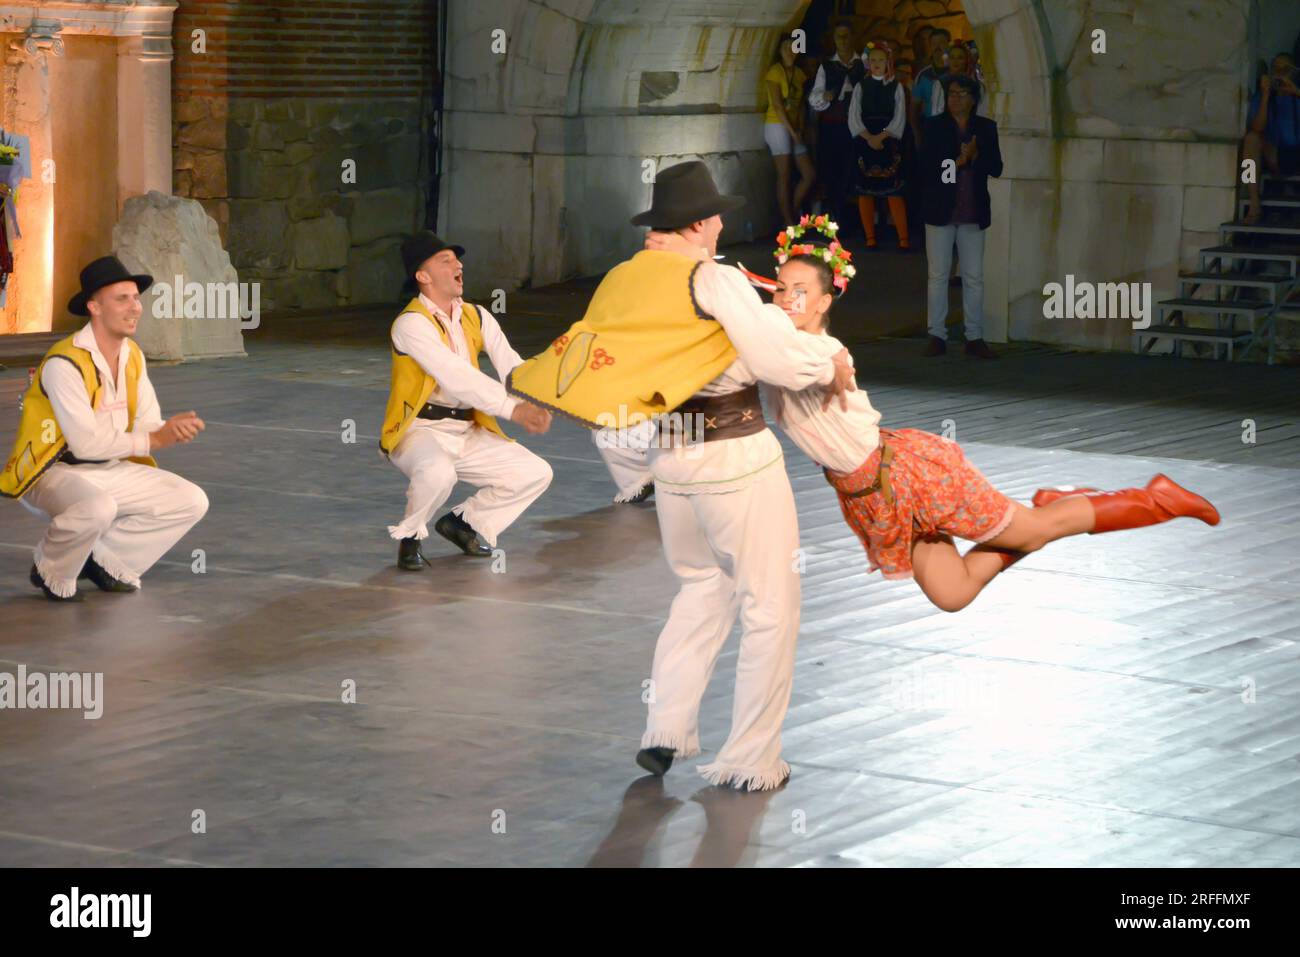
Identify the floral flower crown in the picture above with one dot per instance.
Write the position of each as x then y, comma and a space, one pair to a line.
839, 259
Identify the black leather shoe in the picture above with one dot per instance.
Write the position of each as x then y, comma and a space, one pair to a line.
646, 491
458, 531
980, 349
656, 760
102, 579
39, 582
934, 347
409, 556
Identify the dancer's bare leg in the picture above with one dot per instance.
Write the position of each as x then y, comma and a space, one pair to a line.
949, 579
952, 580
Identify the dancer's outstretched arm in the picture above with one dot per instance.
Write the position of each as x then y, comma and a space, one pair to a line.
503, 356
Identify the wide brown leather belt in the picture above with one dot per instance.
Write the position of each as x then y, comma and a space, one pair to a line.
435, 412
709, 418
881, 484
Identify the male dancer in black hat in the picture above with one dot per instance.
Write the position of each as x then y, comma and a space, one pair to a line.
666, 334
440, 425
90, 421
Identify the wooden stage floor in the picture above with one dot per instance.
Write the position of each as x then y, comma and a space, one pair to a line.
1132, 699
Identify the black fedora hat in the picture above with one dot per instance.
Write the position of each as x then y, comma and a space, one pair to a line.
418, 248
685, 194
104, 272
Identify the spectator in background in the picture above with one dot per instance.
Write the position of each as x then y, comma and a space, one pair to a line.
877, 120
810, 64
1273, 128
921, 46
958, 211
905, 72
831, 92
960, 63
922, 102
783, 129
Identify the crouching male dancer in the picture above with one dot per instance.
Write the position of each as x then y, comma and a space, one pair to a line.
440, 424
82, 457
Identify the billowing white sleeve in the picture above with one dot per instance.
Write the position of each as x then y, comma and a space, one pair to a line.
148, 414
896, 125
91, 436
762, 333
937, 100
820, 102
457, 379
504, 358
856, 125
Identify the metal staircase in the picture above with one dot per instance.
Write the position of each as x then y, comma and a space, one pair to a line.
1247, 284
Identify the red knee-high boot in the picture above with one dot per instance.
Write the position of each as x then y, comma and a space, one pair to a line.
867, 212
1163, 499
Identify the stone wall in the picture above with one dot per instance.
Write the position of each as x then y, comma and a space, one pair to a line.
1119, 166
271, 172
1140, 171
898, 20
547, 143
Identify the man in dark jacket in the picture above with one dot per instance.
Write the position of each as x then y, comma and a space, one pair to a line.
959, 153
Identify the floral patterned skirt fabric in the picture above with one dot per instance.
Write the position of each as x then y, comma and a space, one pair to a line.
936, 491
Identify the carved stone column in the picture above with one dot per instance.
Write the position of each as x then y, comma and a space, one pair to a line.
144, 116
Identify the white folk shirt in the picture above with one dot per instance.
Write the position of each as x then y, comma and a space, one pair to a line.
460, 385
834, 438
100, 434
819, 98
896, 124
770, 350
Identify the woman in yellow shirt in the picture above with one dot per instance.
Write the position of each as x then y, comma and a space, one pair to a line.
783, 130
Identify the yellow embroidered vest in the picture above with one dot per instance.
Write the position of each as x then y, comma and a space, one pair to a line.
643, 343
412, 386
40, 442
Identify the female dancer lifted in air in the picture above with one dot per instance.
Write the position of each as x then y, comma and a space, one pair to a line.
908, 493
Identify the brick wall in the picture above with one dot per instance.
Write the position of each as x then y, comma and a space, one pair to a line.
268, 118
319, 48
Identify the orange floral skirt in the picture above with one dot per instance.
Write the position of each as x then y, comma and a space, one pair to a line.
936, 491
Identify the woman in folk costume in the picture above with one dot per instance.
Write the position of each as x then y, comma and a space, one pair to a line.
908, 493
877, 119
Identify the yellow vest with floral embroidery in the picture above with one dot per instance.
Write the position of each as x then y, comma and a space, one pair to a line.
643, 344
40, 442
412, 386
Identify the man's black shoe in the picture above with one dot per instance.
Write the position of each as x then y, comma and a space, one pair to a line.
980, 349
102, 579
934, 346
409, 555
39, 582
656, 760
458, 531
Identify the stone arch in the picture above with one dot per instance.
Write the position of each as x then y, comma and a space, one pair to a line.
1014, 37
560, 129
